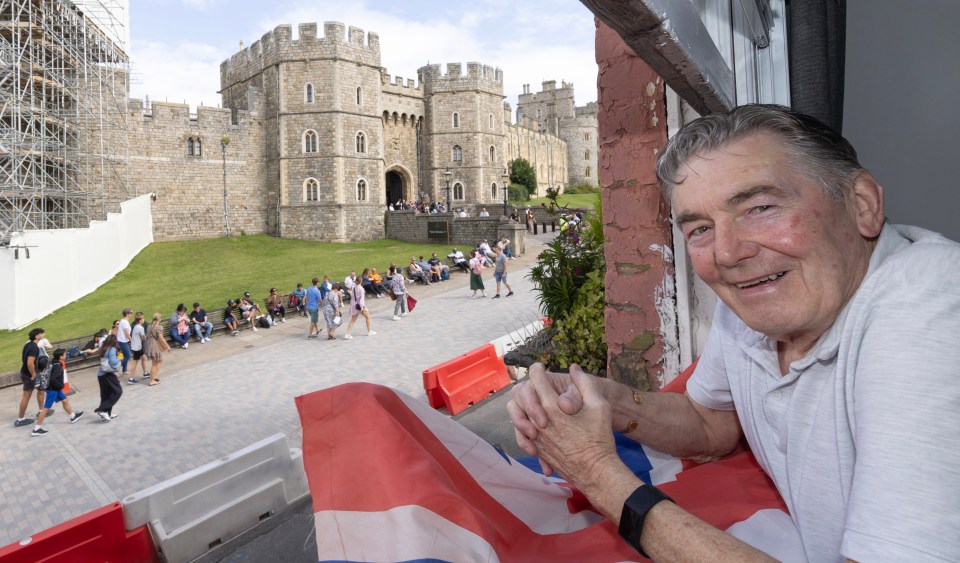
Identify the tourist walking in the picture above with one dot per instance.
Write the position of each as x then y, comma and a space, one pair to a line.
55, 394
331, 310
313, 308
28, 375
154, 345
358, 308
124, 333
110, 389
137, 338
399, 289
500, 271
476, 271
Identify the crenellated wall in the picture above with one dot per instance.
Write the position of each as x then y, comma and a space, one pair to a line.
189, 188
464, 117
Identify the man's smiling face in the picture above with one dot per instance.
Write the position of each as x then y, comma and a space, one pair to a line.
766, 238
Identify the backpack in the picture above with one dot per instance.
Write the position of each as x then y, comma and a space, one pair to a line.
72, 352
264, 322
294, 302
43, 367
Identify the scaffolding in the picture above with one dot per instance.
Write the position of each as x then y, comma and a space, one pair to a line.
63, 96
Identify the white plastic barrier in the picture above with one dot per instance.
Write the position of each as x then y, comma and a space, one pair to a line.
190, 514
66, 264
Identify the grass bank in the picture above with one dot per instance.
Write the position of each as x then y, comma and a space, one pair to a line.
577, 201
210, 271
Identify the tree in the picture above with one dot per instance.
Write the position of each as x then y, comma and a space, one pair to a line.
522, 173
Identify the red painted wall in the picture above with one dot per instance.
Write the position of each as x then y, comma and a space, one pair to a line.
633, 130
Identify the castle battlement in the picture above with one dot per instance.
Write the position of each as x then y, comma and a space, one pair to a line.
173, 114
480, 73
394, 83
338, 42
589, 110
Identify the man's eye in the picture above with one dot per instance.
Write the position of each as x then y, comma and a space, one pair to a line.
698, 232
760, 209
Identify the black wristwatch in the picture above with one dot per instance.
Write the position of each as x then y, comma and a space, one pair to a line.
635, 510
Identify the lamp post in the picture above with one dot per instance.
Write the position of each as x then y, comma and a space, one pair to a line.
504, 177
446, 176
224, 141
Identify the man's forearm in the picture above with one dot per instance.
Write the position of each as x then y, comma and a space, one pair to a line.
669, 422
669, 532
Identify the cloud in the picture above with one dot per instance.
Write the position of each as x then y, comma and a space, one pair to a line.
530, 41
177, 72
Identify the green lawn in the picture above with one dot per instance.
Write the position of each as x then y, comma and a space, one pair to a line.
210, 271
583, 201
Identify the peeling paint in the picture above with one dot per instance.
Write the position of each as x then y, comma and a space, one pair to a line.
641, 342
665, 250
625, 307
628, 268
651, 88
654, 120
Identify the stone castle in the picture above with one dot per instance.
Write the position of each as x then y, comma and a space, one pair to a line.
316, 139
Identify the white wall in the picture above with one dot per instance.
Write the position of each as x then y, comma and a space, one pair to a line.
66, 264
900, 105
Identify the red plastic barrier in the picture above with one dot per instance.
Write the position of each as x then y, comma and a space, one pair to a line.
466, 379
96, 536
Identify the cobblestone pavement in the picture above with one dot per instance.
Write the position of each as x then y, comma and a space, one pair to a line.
218, 397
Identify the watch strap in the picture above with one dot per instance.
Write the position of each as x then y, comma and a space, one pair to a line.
635, 510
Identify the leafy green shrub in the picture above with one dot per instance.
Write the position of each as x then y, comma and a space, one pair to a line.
518, 193
580, 336
569, 277
522, 172
581, 188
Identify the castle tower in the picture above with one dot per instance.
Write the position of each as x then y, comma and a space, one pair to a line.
323, 128
464, 133
552, 110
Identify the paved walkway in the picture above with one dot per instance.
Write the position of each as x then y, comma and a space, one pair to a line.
218, 397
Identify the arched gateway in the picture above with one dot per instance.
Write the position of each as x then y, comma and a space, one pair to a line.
397, 184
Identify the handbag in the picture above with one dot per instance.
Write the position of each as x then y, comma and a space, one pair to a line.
411, 302
393, 296
338, 320
105, 366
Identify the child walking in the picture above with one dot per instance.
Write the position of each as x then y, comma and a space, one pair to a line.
55, 394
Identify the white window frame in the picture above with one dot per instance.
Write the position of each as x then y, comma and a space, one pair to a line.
458, 187
361, 142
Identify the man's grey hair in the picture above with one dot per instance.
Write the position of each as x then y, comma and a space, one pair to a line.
818, 151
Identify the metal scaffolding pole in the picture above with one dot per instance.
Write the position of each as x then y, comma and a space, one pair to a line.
63, 96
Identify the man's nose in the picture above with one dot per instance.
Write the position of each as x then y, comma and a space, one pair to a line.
731, 245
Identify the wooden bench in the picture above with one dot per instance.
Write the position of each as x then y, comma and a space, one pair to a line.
465, 380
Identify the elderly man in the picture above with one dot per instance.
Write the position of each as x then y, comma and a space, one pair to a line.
833, 350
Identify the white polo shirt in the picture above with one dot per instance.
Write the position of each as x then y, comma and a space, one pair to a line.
862, 436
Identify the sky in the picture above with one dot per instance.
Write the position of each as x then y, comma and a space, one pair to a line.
176, 46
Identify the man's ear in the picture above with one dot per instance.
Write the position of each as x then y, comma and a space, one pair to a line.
867, 204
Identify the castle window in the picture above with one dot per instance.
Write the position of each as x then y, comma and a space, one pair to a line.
361, 143
587, 172
311, 190
586, 136
199, 151
456, 120
361, 190
190, 146
308, 93
490, 120
457, 153
586, 155
538, 114
359, 95
310, 141
493, 191
493, 155
458, 191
